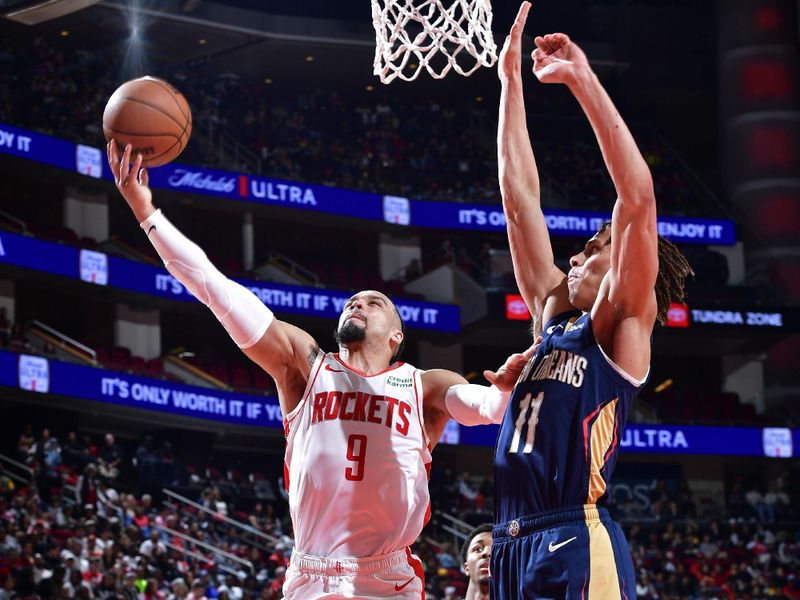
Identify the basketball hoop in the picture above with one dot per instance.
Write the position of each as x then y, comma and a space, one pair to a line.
438, 35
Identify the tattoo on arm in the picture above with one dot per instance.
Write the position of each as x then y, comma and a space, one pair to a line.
312, 356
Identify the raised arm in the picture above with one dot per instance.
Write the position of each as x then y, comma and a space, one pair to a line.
282, 350
447, 395
542, 284
628, 290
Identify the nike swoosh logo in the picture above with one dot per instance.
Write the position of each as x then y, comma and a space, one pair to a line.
330, 368
397, 588
553, 547
551, 329
149, 231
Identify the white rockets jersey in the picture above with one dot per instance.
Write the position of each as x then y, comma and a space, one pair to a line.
357, 461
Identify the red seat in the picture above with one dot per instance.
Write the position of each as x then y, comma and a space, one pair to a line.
155, 367
137, 364
219, 372
102, 355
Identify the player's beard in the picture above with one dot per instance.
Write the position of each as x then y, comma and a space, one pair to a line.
349, 332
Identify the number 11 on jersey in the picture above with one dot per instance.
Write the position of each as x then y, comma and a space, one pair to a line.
535, 405
356, 452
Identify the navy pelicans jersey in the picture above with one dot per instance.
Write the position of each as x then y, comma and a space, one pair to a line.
559, 439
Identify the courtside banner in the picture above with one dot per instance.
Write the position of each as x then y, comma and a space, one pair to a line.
100, 269
41, 375
775, 442
396, 210
47, 376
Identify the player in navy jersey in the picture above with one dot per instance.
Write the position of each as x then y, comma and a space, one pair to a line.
559, 439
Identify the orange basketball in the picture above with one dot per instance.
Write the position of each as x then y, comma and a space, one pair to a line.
151, 115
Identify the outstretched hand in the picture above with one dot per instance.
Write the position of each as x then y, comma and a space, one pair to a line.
506, 376
510, 61
132, 181
557, 59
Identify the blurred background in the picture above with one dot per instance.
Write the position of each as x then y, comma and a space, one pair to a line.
142, 452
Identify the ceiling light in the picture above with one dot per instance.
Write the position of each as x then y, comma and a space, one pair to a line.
309, 58
369, 88
64, 33
202, 41
667, 383
268, 80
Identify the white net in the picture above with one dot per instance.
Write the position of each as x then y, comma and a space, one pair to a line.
435, 35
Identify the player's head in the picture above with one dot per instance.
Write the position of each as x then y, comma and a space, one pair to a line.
587, 269
371, 315
590, 266
475, 554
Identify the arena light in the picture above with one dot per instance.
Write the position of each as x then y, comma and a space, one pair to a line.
664, 385
135, 63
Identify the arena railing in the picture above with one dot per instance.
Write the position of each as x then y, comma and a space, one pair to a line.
19, 224
62, 341
6, 462
231, 153
216, 515
200, 557
210, 547
302, 275
116, 245
457, 528
191, 374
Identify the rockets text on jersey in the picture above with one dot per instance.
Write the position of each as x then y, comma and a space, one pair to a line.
357, 461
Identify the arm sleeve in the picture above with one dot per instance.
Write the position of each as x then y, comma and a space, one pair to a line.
471, 404
241, 313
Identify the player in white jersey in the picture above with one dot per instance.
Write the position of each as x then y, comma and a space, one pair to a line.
360, 426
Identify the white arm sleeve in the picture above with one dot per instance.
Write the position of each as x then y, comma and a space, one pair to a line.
241, 313
471, 404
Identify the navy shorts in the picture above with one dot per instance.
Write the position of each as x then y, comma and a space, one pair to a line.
573, 554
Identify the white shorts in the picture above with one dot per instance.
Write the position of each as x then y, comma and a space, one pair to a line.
395, 575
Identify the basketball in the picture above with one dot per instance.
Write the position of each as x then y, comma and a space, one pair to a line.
152, 116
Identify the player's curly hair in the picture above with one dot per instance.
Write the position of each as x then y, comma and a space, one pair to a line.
673, 269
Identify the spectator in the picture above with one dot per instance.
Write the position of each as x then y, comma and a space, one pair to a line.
232, 588
107, 590
7, 586
74, 452
129, 591
151, 591
50, 586
145, 460
47, 450
5, 328
152, 547
777, 500
198, 590
19, 339
25, 443
110, 458
763, 511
